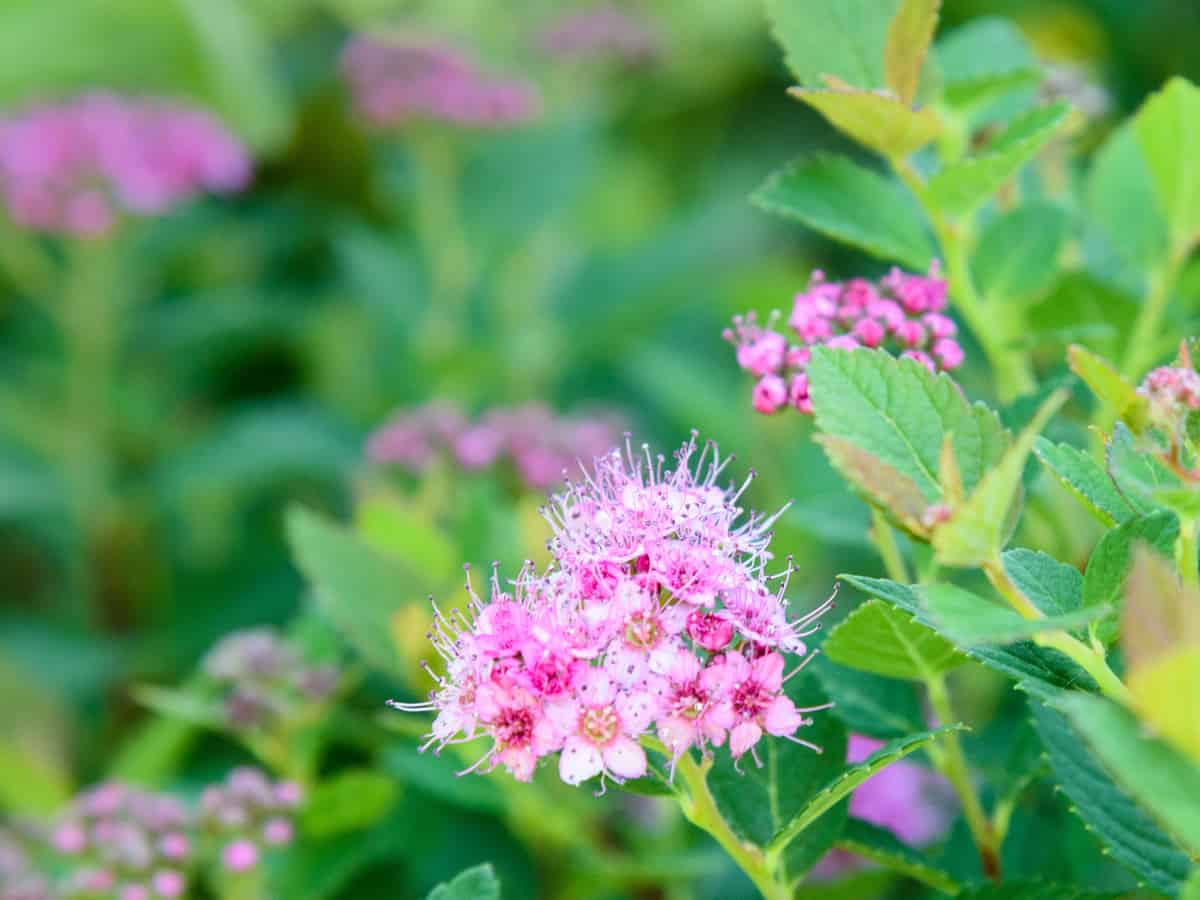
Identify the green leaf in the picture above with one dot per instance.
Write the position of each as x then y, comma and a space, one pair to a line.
977, 530
970, 620
351, 800
1039, 671
191, 706
899, 411
358, 590
842, 38
870, 704
885, 640
1184, 501
1080, 308
1109, 386
1033, 891
908, 39
30, 782
1164, 782
1168, 130
877, 121
479, 883
1122, 203
1086, 479
1053, 587
1191, 890
1111, 562
878, 483
759, 802
844, 784
982, 59
1137, 475
850, 204
883, 848
1017, 254
1110, 813
960, 188
437, 774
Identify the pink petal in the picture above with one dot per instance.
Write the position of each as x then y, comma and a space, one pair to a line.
768, 671
625, 758
637, 711
596, 688
743, 737
782, 718
579, 761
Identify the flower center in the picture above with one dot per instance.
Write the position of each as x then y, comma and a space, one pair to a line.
514, 727
690, 701
599, 724
643, 631
749, 700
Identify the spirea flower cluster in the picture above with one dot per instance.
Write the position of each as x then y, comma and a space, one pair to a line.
1172, 393
118, 842
537, 443
901, 312
600, 33
394, 83
266, 678
76, 167
657, 617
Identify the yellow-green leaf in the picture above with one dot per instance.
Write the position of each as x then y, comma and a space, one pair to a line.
908, 39
878, 121
1109, 386
1168, 129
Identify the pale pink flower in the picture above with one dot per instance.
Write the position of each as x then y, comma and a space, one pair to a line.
601, 724
689, 699
756, 702
770, 394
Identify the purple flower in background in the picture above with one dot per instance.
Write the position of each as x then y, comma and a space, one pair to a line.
247, 812
539, 444
913, 803
76, 167
394, 83
603, 32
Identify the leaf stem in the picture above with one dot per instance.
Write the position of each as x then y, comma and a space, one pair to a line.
1186, 551
884, 539
700, 809
952, 763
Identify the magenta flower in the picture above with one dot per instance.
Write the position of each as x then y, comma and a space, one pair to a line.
604, 32
903, 313
1172, 394
393, 84
76, 167
658, 616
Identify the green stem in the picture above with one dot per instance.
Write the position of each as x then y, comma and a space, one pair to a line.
1090, 660
1143, 340
1186, 551
952, 763
700, 809
884, 539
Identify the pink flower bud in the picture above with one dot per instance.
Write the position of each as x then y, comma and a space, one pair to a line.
923, 358
174, 846
843, 342
798, 357
239, 856
709, 631
169, 884
69, 838
278, 832
764, 355
769, 394
870, 332
940, 326
134, 892
798, 394
911, 333
948, 353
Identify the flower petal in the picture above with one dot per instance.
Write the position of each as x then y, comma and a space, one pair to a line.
579, 761
625, 758
743, 737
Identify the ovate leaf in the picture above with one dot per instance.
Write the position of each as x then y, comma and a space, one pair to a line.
1086, 479
908, 39
351, 800
900, 412
1122, 202
1053, 587
886, 640
479, 883
1109, 386
851, 204
1017, 255
883, 848
960, 188
870, 704
878, 483
1034, 891
982, 59
971, 620
1112, 560
1137, 475
842, 38
1110, 812
875, 120
1168, 130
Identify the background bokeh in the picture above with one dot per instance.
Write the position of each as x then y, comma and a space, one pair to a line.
587, 260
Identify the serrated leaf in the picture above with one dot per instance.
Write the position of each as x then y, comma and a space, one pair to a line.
348, 801
479, 883
959, 189
844, 784
977, 530
869, 704
885, 640
1033, 891
908, 38
1137, 475
882, 847
759, 802
356, 588
875, 120
1164, 782
970, 620
878, 483
1108, 810
1122, 203
1109, 386
1168, 130
851, 204
842, 38
900, 412
1017, 254
1053, 587
982, 59
1039, 671
1086, 479
1112, 561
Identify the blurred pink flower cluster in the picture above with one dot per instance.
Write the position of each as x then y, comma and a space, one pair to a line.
1173, 393
902, 312
658, 614
75, 167
603, 32
121, 842
540, 445
913, 803
393, 83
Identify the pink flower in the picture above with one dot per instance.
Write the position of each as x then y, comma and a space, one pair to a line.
278, 832
709, 631
911, 333
922, 357
517, 723
603, 32
756, 702
601, 725
798, 394
689, 698
239, 856
948, 353
169, 884
869, 332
